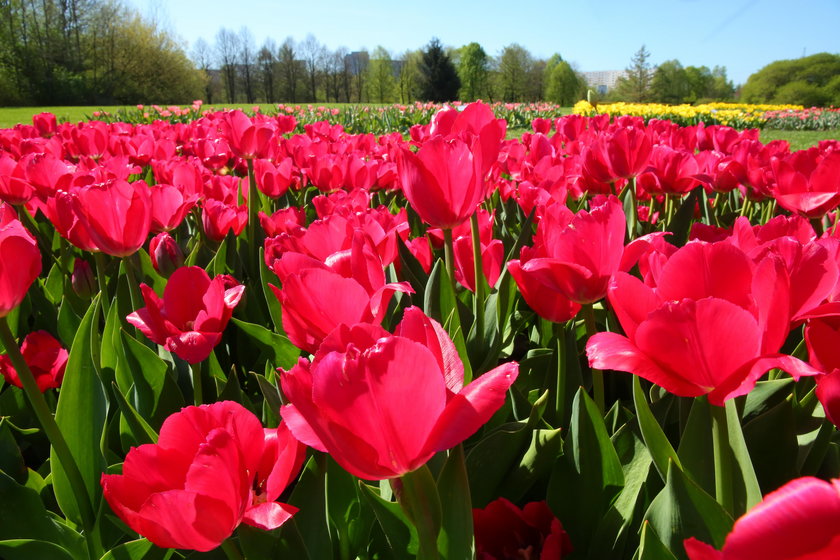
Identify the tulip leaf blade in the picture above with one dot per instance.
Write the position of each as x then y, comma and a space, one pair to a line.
455, 540
279, 348
738, 446
25, 518
351, 521
585, 481
27, 549
656, 441
440, 304
140, 549
650, 547
136, 425
399, 531
81, 413
682, 510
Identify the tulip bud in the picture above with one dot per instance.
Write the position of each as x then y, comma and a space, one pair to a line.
83, 280
166, 255
45, 124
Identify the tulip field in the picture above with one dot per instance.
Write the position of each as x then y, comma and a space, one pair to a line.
250, 337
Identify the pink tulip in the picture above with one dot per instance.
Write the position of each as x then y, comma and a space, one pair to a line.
799, 521
213, 467
46, 359
20, 264
382, 405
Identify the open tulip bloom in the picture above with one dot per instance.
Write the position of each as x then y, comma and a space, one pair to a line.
382, 405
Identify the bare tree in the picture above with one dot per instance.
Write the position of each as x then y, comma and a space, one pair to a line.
289, 69
227, 49
267, 63
246, 60
312, 53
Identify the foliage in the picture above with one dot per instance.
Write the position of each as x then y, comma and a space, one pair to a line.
635, 85
439, 79
474, 72
563, 86
810, 81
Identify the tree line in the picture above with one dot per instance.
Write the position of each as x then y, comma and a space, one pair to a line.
82, 52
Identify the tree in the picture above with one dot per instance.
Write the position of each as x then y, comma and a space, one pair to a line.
289, 70
312, 53
515, 65
474, 73
410, 76
439, 79
670, 83
357, 65
267, 64
246, 61
381, 82
635, 85
564, 86
809, 75
227, 50
335, 85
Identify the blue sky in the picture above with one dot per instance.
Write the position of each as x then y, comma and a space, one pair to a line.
742, 35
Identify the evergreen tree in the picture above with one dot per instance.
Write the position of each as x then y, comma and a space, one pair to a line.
635, 85
440, 80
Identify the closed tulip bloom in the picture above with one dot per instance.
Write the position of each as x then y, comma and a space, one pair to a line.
709, 321
799, 521
190, 318
808, 182
45, 357
382, 405
165, 254
443, 181
20, 264
213, 467
116, 215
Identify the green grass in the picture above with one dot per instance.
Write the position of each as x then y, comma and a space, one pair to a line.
799, 139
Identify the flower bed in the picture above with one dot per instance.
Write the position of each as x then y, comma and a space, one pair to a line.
606, 338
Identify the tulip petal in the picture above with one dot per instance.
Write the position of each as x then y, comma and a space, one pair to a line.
268, 515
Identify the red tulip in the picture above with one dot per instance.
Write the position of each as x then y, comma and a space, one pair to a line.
14, 188
285, 220
274, 180
317, 296
20, 265
799, 521
169, 206
218, 218
165, 254
45, 123
808, 182
213, 467
577, 254
116, 215
190, 318
492, 255
249, 138
45, 357
710, 321
382, 405
502, 531
443, 181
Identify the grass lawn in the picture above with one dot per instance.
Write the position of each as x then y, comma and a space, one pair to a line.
10, 116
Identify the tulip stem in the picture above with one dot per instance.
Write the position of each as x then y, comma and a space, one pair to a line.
723, 466
597, 374
102, 280
479, 278
253, 198
231, 550
198, 398
47, 421
417, 494
449, 257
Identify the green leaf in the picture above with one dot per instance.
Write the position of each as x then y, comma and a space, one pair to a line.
11, 460
278, 348
535, 464
588, 477
400, 532
23, 516
773, 447
657, 443
651, 548
751, 490
80, 413
68, 322
154, 393
140, 549
682, 510
137, 426
440, 304
283, 542
695, 449
681, 222
26, 549
351, 521
270, 299
411, 270
455, 540
309, 496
